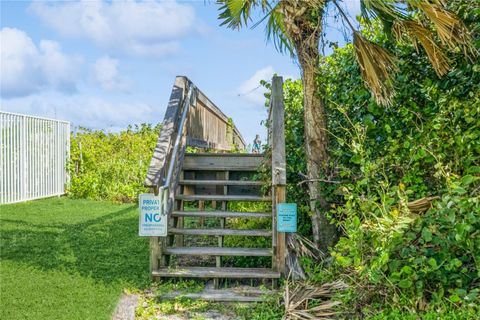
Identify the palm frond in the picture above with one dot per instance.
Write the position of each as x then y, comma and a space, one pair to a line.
383, 9
386, 11
276, 32
419, 34
236, 13
297, 300
377, 67
450, 29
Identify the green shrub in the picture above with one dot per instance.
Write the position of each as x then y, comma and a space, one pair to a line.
111, 166
439, 255
426, 144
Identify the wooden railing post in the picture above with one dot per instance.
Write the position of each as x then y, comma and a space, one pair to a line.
155, 249
279, 175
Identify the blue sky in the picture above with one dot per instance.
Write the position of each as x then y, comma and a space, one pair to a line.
105, 65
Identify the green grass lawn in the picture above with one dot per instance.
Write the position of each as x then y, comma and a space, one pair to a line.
68, 259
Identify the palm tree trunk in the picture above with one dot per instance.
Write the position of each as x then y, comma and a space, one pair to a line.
303, 24
324, 234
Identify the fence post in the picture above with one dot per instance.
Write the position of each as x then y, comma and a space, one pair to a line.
279, 175
24, 158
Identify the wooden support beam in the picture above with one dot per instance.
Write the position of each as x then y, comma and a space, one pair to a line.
155, 253
279, 175
155, 249
218, 260
281, 248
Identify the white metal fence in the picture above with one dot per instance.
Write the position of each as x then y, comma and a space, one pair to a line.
34, 153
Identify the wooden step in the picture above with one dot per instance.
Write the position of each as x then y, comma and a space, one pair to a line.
225, 154
216, 167
222, 295
221, 214
218, 251
212, 272
222, 162
218, 197
221, 232
222, 182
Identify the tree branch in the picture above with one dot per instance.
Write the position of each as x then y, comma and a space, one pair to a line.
344, 16
319, 180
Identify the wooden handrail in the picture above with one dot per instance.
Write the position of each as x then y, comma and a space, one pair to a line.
206, 127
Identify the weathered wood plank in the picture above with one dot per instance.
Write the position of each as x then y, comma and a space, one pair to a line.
156, 246
197, 132
212, 272
155, 253
221, 232
216, 251
159, 159
218, 168
205, 144
237, 155
222, 162
279, 174
224, 189
208, 104
222, 296
209, 127
279, 177
280, 251
221, 214
214, 197
222, 182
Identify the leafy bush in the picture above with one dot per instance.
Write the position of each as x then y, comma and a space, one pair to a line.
426, 144
439, 254
111, 166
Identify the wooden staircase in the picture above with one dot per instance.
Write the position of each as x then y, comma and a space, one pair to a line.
196, 187
217, 179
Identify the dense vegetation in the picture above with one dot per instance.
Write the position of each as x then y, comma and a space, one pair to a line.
427, 144
111, 166
397, 259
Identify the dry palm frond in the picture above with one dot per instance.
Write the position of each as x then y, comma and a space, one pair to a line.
422, 35
374, 7
450, 29
298, 300
377, 66
303, 247
421, 205
299, 246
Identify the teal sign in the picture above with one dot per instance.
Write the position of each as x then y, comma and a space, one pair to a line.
287, 217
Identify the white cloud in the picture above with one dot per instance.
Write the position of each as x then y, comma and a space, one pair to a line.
106, 74
251, 89
82, 110
147, 28
26, 68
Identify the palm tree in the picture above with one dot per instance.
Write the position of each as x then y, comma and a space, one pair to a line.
295, 27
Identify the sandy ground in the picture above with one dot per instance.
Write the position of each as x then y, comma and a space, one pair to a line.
127, 305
